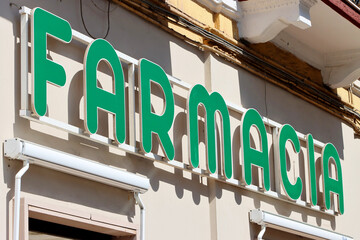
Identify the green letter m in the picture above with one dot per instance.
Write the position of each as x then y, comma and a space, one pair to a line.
213, 102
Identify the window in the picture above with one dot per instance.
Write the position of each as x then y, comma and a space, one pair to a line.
46, 221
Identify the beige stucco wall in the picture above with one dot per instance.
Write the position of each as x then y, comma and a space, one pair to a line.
179, 205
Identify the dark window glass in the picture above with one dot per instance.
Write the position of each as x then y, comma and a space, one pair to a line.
42, 230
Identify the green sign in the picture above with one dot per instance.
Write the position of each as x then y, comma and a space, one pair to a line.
312, 169
212, 102
250, 156
151, 122
44, 70
287, 133
159, 124
97, 98
332, 185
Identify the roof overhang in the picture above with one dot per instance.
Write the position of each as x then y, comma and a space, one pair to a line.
323, 33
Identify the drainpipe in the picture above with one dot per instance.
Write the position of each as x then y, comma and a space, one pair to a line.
142, 215
18, 177
262, 232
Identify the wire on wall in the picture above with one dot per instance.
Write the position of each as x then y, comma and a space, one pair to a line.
294, 83
108, 20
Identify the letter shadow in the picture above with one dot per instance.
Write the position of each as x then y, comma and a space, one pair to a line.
76, 98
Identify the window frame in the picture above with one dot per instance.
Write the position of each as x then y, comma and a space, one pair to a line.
65, 215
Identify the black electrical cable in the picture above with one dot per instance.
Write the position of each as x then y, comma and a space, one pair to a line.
108, 20
251, 57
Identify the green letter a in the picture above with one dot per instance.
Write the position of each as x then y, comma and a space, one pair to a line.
332, 185
252, 156
96, 97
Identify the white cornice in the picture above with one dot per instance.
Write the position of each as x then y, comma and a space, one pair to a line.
341, 68
262, 20
338, 69
227, 7
342, 76
259, 6
341, 58
308, 3
299, 49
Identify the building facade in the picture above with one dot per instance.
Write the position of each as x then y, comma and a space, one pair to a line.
192, 119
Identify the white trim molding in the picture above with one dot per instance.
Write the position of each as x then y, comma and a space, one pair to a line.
262, 20
227, 7
342, 68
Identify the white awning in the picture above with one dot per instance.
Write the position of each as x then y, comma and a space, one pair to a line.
266, 219
74, 165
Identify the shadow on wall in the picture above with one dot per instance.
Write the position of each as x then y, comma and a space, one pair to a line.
281, 106
137, 40
144, 40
